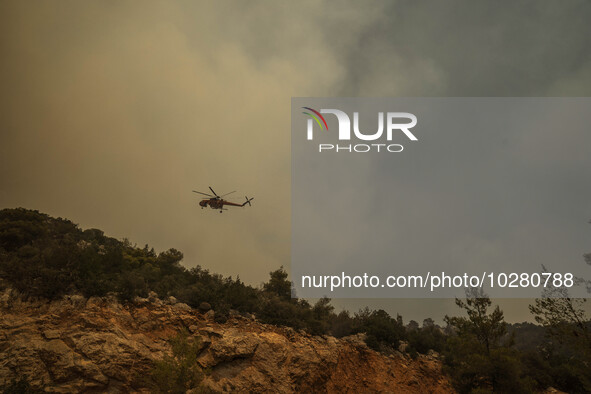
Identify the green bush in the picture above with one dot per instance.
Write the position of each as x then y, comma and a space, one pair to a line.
179, 372
19, 386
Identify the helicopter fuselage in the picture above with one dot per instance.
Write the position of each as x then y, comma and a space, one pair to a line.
216, 203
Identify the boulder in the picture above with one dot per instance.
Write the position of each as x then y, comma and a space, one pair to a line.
433, 354
357, 340
51, 334
235, 345
193, 328
140, 300
180, 306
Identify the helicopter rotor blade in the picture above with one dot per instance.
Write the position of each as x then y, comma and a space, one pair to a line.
228, 193
208, 195
215, 194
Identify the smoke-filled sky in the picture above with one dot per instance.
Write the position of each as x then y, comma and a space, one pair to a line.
112, 112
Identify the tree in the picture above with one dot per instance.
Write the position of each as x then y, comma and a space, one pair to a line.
429, 337
179, 372
565, 317
477, 358
412, 326
486, 328
278, 284
382, 330
568, 324
428, 322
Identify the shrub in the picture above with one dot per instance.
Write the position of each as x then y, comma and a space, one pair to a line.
179, 372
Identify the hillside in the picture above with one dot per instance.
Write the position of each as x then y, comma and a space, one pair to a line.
46, 257
101, 345
81, 311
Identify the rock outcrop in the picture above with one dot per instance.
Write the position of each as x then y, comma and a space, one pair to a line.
100, 345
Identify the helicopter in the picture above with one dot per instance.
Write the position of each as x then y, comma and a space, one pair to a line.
217, 202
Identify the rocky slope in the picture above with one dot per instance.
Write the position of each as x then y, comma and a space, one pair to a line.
100, 345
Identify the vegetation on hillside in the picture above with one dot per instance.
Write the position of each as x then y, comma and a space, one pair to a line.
47, 257
180, 371
480, 355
